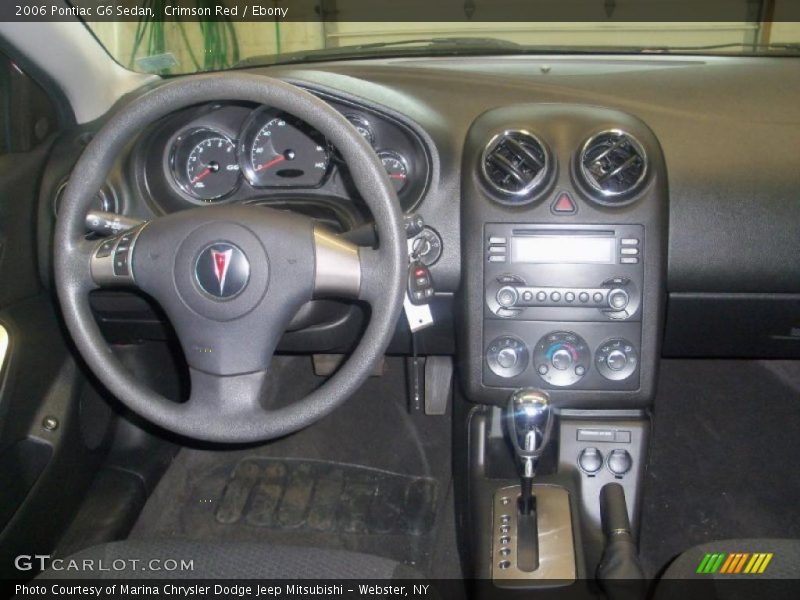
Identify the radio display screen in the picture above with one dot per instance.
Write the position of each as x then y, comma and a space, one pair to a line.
563, 249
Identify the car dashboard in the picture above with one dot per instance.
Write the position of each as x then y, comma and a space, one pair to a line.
585, 216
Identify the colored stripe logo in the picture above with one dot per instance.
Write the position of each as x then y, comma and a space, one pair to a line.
735, 563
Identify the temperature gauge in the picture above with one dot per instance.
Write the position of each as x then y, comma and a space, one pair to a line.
396, 167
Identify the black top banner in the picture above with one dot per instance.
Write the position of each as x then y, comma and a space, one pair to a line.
590, 11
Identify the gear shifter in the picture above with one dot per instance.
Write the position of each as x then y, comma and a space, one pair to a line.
529, 422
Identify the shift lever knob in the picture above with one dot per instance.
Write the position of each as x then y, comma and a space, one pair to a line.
529, 421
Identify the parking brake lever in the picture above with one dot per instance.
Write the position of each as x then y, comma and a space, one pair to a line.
619, 572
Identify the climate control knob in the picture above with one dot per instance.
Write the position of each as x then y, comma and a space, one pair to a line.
561, 358
507, 356
616, 359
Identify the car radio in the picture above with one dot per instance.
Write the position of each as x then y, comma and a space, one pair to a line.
563, 305
569, 273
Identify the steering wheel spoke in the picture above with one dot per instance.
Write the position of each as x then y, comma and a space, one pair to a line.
226, 396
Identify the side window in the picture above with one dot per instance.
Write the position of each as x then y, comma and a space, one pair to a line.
27, 116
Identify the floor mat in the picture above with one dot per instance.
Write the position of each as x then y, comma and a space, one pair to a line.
382, 456
722, 458
327, 497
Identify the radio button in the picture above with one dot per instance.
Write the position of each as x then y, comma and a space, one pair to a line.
501, 240
541, 296
497, 258
629, 241
555, 296
632, 251
598, 297
629, 260
583, 297
569, 296
527, 296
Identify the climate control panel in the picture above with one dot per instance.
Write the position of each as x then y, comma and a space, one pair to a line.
589, 356
562, 358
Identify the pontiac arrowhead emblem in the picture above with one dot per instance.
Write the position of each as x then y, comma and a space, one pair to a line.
222, 270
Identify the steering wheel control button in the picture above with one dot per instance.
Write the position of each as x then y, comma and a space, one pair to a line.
111, 261
507, 356
561, 358
590, 460
616, 359
619, 462
105, 248
222, 270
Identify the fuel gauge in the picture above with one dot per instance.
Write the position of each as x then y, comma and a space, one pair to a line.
396, 167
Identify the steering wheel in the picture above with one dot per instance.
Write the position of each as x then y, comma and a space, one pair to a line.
230, 277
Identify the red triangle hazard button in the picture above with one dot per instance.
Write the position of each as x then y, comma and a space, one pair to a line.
563, 204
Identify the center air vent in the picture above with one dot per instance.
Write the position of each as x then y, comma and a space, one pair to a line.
516, 164
613, 164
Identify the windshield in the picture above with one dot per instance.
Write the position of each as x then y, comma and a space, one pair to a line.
175, 47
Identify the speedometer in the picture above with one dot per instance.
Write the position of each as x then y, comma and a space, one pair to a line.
284, 152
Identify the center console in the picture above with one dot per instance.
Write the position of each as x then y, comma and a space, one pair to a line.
564, 222
564, 225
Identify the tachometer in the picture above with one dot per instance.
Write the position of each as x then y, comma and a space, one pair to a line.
284, 152
205, 165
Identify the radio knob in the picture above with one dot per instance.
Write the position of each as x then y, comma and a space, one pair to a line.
561, 360
507, 296
618, 299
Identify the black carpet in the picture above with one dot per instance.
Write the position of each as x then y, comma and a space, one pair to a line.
370, 448
724, 456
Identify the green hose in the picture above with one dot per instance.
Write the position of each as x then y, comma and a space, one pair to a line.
220, 42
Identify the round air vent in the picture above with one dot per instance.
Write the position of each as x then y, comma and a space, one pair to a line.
515, 164
613, 165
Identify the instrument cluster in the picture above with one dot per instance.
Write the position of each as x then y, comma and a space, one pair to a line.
228, 153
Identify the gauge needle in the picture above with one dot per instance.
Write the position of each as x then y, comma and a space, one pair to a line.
202, 175
269, 163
